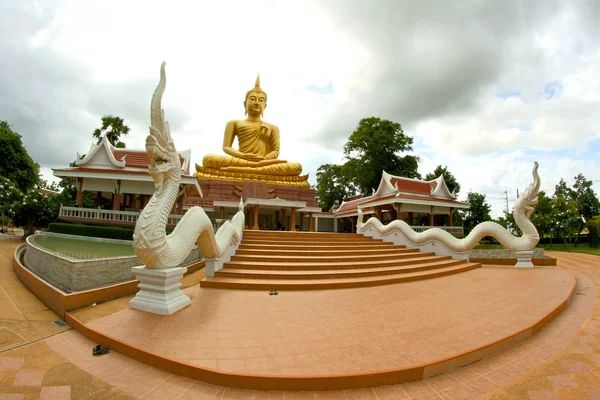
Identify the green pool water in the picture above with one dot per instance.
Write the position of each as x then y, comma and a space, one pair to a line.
81, 249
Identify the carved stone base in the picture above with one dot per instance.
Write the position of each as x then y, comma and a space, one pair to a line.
524, 259
159, 290
204, 173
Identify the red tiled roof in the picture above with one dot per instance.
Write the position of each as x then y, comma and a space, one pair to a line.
136, 158
411, 186
352, 207
406, 196
48, 192
108, 171
355, 197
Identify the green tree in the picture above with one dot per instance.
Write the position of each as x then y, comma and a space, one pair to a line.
566, 218
9, 195
15, 162
118, 129
450, 180
373, 148
43, 184
588, 204
543, 217
333, 185
584, 198
30, 210
478, 212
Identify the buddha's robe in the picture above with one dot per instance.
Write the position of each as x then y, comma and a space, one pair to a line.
254, 139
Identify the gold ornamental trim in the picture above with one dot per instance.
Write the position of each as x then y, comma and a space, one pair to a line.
204, 173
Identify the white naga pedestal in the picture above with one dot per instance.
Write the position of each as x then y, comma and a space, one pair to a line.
159, 290
524, 259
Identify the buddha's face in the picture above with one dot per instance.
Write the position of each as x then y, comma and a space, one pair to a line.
255, 104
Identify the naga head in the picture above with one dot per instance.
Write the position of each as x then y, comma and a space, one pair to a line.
159, 144
529, 198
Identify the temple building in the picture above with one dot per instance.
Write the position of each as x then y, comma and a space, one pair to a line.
275, 193
421, 204
120, 176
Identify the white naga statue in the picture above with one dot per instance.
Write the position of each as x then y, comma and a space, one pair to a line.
162, 253
401, 233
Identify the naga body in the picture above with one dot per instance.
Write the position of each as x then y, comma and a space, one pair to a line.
152, 245
522, 210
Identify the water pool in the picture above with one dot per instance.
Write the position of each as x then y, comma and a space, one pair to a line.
76, 263
81, 249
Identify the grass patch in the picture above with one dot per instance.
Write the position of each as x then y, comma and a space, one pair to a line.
581, 248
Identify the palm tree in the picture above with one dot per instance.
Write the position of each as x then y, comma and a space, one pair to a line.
118, 128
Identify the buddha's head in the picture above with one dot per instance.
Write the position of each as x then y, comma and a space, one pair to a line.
256, 100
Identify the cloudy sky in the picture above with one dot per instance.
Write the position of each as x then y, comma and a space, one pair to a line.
483, 87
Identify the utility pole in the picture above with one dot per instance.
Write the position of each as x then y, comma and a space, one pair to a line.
506, 197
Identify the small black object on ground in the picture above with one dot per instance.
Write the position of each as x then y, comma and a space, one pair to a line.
100, 350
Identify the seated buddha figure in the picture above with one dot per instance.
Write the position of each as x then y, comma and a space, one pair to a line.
258, 143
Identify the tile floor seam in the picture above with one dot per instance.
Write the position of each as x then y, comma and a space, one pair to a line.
33, 341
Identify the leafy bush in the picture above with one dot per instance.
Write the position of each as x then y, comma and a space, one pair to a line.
91, 230
30, 209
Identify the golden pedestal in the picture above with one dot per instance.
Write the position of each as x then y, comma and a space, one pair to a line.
204, 173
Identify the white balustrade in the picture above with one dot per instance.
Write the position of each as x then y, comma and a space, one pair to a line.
108, 215
454, 230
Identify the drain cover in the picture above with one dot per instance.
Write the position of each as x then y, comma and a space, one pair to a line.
58, 322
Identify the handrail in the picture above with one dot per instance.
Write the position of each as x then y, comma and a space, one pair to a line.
449, 229
108, 215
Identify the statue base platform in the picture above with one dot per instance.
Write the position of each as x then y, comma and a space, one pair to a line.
159, 290
204, 173
524, 259
219, 191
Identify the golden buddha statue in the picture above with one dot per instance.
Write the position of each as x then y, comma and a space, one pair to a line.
258, 149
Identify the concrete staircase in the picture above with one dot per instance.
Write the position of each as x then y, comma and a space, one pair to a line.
268, 260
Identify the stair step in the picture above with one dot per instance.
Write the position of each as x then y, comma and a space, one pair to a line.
418, 258
345, 253
315, 242
309, 257
263, 246
309, 284
290, 234
333, 273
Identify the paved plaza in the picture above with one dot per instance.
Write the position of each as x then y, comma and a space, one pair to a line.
41, 360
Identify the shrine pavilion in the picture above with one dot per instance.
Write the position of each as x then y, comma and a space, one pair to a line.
421, 204
121, 176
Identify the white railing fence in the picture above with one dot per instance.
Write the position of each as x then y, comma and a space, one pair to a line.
108, 215
455, 230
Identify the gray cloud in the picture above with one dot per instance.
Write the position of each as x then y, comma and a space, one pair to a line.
425, 59
117, 99
432, 58
52, 100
